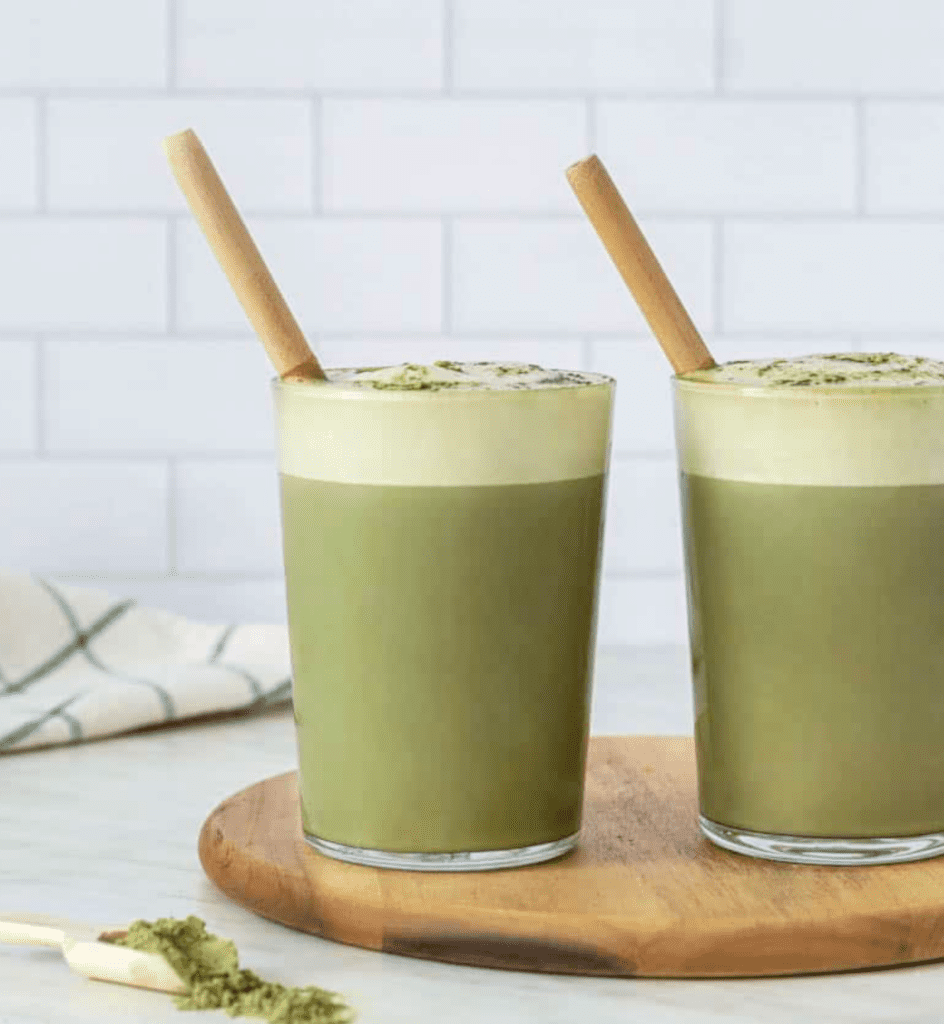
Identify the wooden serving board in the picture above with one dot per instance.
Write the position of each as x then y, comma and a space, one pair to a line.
644, 894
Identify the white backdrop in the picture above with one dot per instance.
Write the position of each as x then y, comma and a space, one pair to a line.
402, 167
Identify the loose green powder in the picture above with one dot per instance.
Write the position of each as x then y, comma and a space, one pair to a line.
209, 966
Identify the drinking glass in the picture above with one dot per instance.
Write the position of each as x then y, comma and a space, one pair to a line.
442, 559
813, 522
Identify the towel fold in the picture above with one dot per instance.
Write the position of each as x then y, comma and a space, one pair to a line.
76, 664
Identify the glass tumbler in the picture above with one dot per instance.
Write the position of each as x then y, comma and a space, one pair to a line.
442, 559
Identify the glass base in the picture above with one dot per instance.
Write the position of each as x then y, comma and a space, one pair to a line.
474, 860
817, 850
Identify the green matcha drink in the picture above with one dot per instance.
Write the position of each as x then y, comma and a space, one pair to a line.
442, 529
813, 509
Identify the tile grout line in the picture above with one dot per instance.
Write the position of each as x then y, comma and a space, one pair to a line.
933, 217
590, 125
42, 155
171, 516
316, 125
170, 273
448, 15
717, 275
629, 94
39, 364
170, 43
629, 335
861, 139
446, 313
718, 53
586, 353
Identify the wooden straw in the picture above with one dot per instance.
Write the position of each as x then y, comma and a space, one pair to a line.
638, 266
241, 261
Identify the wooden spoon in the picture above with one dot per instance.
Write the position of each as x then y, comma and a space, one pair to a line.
87, 954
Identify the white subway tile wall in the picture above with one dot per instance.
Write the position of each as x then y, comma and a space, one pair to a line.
85, 515
220, 504
572, 45
856, 275
19, 407
554, 275
489, 155
731, 156
833, 46
401, 166
356, 45
81, 273
103, 153
157, 396
107, 44
337, 273
905, 158
19, 188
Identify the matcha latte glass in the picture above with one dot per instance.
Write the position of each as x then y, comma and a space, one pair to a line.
442, 535
813, 511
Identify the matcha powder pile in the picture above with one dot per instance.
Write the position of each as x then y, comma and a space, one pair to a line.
209, 966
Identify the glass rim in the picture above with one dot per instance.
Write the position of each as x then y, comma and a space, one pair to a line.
340, 390
805, 392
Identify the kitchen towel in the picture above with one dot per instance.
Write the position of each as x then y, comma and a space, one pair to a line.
76, 664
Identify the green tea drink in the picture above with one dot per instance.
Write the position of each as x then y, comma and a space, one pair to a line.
442, 531
813, 509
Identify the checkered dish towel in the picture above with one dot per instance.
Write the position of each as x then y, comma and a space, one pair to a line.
77, 664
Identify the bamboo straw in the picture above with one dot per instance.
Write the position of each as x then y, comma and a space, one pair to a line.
638, 266
239, 258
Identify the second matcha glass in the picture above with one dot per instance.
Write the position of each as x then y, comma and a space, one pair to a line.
815, 564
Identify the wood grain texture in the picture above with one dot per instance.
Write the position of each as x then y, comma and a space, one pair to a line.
644, 894
638, 266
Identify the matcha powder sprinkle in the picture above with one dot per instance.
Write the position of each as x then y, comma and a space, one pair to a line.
209, 965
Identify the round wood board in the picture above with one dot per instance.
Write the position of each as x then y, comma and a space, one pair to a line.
644, 894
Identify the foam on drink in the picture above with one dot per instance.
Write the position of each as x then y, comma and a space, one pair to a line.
840, 419
446, 424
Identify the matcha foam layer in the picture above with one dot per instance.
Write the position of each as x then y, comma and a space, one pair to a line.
839, 369
445, 424
842, 419
446, 374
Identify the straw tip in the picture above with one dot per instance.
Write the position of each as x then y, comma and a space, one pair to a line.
587, 165
179, 139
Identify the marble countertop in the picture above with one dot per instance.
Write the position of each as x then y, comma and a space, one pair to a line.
106, 832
